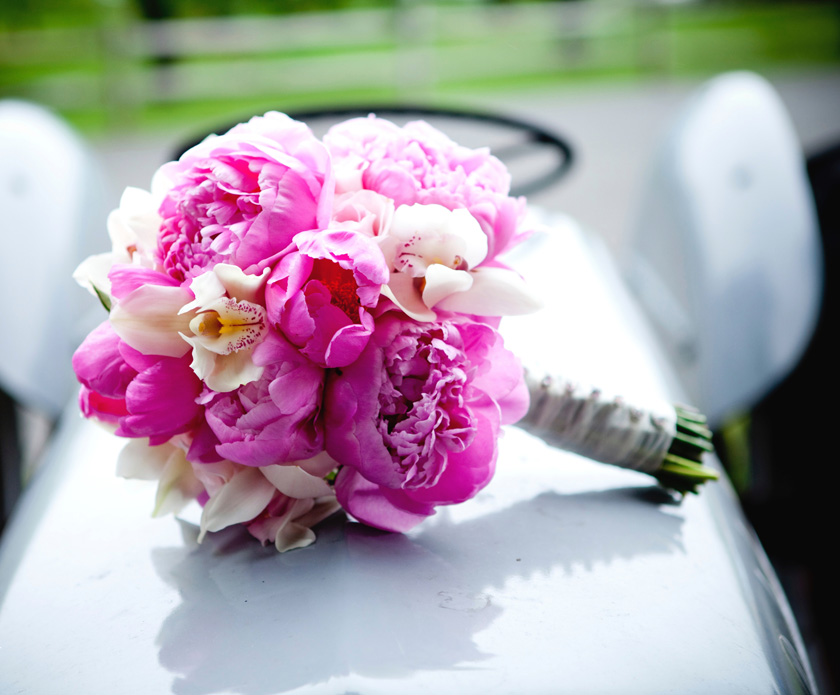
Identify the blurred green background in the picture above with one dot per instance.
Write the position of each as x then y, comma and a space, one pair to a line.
116, 65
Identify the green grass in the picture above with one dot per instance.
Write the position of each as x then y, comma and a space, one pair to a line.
681, 40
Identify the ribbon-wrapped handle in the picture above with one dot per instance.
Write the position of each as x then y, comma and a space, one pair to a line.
670, 446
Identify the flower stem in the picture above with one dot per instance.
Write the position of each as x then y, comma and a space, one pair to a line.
682, 468
669, 447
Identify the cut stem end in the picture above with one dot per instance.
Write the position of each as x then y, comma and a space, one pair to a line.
682, 469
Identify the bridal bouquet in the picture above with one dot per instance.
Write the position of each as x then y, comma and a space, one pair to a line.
299, 325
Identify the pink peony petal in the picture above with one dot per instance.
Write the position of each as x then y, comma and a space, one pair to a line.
100, 366
161, 401
377, 506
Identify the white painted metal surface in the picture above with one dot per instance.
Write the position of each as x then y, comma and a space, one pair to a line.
563, 576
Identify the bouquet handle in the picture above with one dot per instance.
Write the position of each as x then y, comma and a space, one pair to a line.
669, 447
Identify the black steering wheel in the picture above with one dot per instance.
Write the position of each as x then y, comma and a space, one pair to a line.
536, 157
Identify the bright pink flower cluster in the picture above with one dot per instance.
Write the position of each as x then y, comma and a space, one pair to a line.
316, 312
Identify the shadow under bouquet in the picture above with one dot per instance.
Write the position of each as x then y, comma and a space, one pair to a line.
300, 325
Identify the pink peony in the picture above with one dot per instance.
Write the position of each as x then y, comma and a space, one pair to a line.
99, 366
414, 421
161, 399
104, 375
274, 419
240, 197
419, 164
320, 295
144, 395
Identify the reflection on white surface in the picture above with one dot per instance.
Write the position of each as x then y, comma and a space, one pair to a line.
362, 603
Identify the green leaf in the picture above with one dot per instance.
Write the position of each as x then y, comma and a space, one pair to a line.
103, 298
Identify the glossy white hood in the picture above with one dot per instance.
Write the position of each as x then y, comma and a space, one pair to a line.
562, 576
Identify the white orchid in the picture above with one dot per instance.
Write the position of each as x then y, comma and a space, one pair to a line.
435, 254
133, 229
218, 318
226, 325
166, 463
246, 492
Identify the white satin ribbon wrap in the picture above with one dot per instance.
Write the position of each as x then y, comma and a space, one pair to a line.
581, 420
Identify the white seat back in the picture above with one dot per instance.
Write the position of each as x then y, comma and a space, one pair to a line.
726, 256
50, 196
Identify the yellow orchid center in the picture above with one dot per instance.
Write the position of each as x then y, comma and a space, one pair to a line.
228, 326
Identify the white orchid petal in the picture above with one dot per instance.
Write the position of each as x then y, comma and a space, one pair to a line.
177, 486
295, 482
222, 373
223, 330
323, 507
238, 284
147, 319
121, 234
442, 281
495, 292
140, 461
140, 210
232, 371
288, 534
203, 361
319, 465
134, 226
162, 183
474, 238
207, 288
291, 536
241, 499
400, 290
224, 325
93, 272
297, 533
434, 234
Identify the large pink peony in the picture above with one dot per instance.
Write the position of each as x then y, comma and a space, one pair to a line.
320, 295
415, 420
419, 164
275, 419
240, 197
